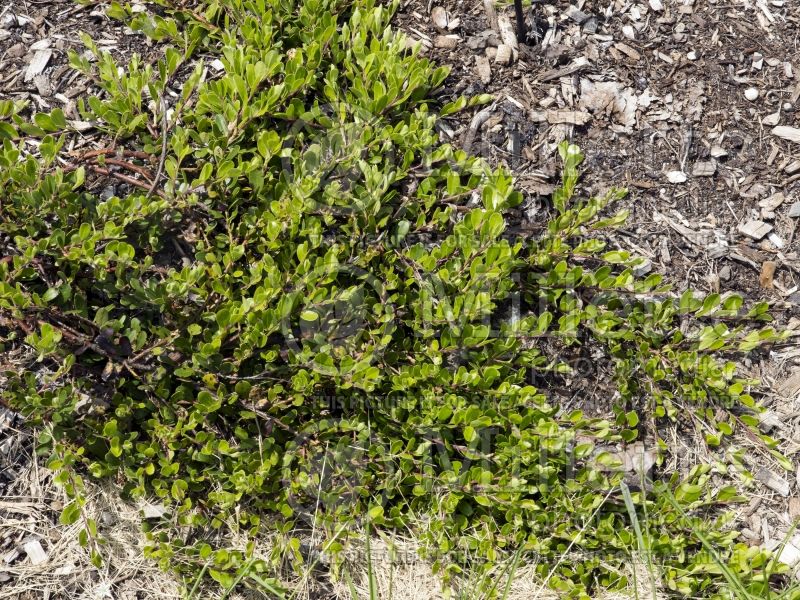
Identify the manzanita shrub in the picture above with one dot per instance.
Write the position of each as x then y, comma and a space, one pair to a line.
314, 317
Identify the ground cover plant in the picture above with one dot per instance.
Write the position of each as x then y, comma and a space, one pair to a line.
310, 318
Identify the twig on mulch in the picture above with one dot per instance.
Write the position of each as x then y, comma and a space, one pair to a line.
491, 15
121, 177
107, 158
131, 167
477, 121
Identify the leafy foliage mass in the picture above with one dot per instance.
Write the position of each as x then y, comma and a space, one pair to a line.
320, 318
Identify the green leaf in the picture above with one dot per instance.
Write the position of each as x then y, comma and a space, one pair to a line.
7, 131
45, 122
226, 580
50, 294
70, 513
470, 434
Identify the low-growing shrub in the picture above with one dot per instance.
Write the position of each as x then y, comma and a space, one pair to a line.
297, 311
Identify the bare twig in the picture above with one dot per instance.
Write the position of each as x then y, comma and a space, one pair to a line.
491, 14
131, 167
163, 157
120, 176
477, 121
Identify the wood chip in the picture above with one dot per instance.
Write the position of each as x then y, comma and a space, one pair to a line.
773, 155
507, 33
439, 17
774, 482
576, 65
794, 211
569, 117
446, 41
792, 168
772, 119
484, 69
625, 49
505, 55
577, 15
718, 152
35, 552
748, 255
702, 238
43, 86
704, 168
767, 274
676, 177
772, 202
789, 553
16, 51
776, 240
769, 421
656, 5
483, 39
41, 44
80, 126
755, 229
789, 387
664, 57
38, 63
787, 133
491, 14
794, 508
153, 511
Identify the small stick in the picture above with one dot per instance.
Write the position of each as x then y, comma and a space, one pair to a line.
120, 176
477, 121
491, 14
135, 168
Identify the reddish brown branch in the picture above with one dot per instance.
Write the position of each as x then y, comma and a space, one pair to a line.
121, 177
131, 167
